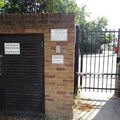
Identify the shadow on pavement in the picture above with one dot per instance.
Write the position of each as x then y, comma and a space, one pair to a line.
105, 107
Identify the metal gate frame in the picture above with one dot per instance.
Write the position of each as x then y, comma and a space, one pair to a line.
83, 35
76, 62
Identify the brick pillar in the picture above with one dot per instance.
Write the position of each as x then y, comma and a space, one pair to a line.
59, 78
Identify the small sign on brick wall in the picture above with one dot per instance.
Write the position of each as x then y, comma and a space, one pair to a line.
57, 59
12, 48
59, 34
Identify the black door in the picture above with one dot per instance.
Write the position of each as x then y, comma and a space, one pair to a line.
22, 73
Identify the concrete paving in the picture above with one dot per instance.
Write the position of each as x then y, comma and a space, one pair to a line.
105, 107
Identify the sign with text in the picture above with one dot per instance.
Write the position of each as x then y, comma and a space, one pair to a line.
57, 59
59, 34
12, 48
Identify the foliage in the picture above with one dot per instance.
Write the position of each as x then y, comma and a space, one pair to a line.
89, 48
54, 6
108, 38
1, 3
61, 6
80, 104
22, 6
50, 6
98, 24
10, 7
77, 96
94, 40
68, 6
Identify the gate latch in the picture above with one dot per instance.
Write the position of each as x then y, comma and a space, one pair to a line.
81, 74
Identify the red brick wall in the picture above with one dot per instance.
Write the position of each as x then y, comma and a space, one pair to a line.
59, 78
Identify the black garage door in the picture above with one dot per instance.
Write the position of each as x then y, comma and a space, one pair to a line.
21, 74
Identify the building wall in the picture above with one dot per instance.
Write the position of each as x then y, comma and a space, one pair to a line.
59, 78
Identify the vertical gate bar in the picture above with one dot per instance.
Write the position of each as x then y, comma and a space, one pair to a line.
112, 60
81, 51
99, 36
76, 59
103, 60
90, 57
117, 77
94, 62
108, 61
87, 35
118, 55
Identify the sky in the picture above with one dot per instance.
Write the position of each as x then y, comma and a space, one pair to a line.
108, 8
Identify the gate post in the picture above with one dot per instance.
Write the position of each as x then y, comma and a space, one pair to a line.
117, 82
81, 53
76, 64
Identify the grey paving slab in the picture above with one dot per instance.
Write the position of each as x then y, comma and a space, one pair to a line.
105, 107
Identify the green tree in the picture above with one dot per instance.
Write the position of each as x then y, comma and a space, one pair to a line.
54, 6
61, 6
98, 24
68, 6
11, 7
81, 16
49, 6
1, 3
22, 6
96, 39
109, 38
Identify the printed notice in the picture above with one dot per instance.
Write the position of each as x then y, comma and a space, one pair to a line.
57, 59
12, 48
59, 34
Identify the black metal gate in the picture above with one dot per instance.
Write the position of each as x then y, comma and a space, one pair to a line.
76, 62
98, 56
21, 75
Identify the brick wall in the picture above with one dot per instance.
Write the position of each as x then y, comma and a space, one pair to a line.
59, 78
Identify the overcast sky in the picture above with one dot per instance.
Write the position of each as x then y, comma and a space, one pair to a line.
108, 8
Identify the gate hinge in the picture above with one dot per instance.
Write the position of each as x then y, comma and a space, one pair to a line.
42, 44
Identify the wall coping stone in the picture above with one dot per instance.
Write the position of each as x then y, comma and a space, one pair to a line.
36, 18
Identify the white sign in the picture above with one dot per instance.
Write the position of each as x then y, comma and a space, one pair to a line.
59, 34
12, 48
57, 59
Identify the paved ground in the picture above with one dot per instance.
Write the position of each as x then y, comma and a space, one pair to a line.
105, 107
